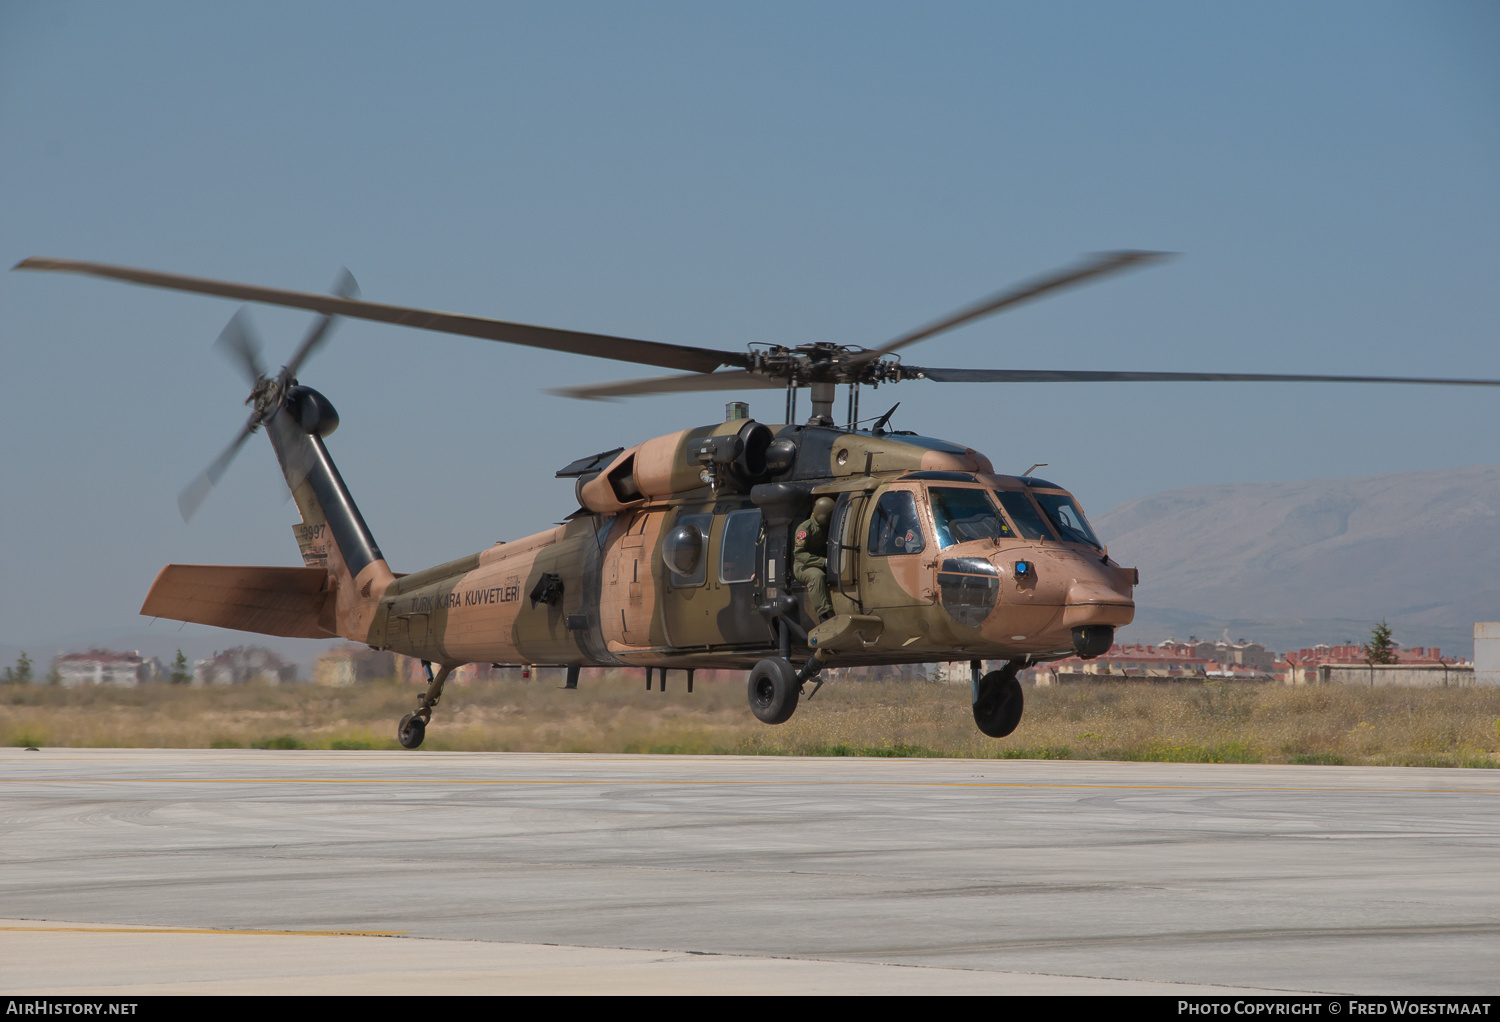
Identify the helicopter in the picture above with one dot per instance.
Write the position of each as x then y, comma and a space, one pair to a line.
680, 553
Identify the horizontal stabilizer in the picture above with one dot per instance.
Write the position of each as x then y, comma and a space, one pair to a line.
292, 602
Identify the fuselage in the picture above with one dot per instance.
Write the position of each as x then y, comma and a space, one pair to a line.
948, 558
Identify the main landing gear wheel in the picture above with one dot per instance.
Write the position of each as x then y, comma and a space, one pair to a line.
411, 731
997, 711
413, 726
774, 690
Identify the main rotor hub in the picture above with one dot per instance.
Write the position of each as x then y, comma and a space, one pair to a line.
823, 362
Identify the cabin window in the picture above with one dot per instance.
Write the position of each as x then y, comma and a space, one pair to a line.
1071, 525
704, 525
1023, 512
738, 546
960, 515
895, 527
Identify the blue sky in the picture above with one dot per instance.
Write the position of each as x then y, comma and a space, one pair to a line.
717, 174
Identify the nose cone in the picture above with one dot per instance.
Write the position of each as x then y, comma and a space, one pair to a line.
1099, 599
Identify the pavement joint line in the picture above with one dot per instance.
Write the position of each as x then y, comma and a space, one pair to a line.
744, 782
734, 955
831, 960
180, 930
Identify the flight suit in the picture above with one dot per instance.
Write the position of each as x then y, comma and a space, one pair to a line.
810, 567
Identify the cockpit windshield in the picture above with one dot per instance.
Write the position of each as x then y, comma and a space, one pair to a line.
1023, 512
964, 514
1064, 514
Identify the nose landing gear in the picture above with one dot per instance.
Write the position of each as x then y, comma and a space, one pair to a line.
997, 699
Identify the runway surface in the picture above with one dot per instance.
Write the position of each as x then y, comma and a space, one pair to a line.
469, 872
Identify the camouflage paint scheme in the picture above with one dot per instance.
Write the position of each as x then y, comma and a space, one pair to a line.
614, 601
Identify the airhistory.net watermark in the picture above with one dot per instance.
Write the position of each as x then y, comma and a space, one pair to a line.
45, 1006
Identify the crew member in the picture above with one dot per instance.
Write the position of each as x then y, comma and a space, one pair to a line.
810, 562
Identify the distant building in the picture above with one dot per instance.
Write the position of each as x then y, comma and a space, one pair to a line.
1409, 675
351, 664
1487, 653
410, 669
104, 667
1226, 654
1302, 667
244, 664
1125, 663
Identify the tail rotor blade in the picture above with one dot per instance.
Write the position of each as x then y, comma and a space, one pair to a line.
238, 343
197, 491
345, 287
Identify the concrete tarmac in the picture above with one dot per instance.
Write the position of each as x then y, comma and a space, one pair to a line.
375, 872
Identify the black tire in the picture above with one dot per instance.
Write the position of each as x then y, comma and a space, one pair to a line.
774, 690
411, 731
998, 709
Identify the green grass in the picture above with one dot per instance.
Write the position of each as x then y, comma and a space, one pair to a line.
612, 713
1318, 759
1039, 752
280, 742
1162, 751
26, 738
888, 752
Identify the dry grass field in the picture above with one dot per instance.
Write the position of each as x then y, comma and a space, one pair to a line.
1196, 722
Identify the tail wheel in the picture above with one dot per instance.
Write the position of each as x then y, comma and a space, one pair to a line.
411, 731
997, 711
774, 690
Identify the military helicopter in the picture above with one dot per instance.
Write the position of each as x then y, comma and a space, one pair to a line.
679, 556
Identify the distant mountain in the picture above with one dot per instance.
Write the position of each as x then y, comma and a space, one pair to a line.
1316, 560
1287, 564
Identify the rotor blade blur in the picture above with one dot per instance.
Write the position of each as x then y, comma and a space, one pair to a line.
238, 343
197, 491
734, 379
622, 349
1089, 376
344, 287
1102, 264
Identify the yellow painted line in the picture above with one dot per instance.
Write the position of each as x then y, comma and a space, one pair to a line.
762, 783
173, 929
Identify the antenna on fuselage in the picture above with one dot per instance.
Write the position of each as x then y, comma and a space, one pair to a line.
878, 428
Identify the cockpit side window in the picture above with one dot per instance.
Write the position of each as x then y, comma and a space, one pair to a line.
960, 515
895, 527
1023, 512
1064, 513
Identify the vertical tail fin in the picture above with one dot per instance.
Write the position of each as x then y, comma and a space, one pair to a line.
332, 534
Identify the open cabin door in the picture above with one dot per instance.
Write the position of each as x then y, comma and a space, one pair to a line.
844, 547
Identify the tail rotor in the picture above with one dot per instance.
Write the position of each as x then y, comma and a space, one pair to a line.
239, 343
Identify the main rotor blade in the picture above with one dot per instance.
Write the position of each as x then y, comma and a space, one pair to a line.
197, 491
622, 349
1099, 265
1089, 376
345, 287
734, 379
238, 343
